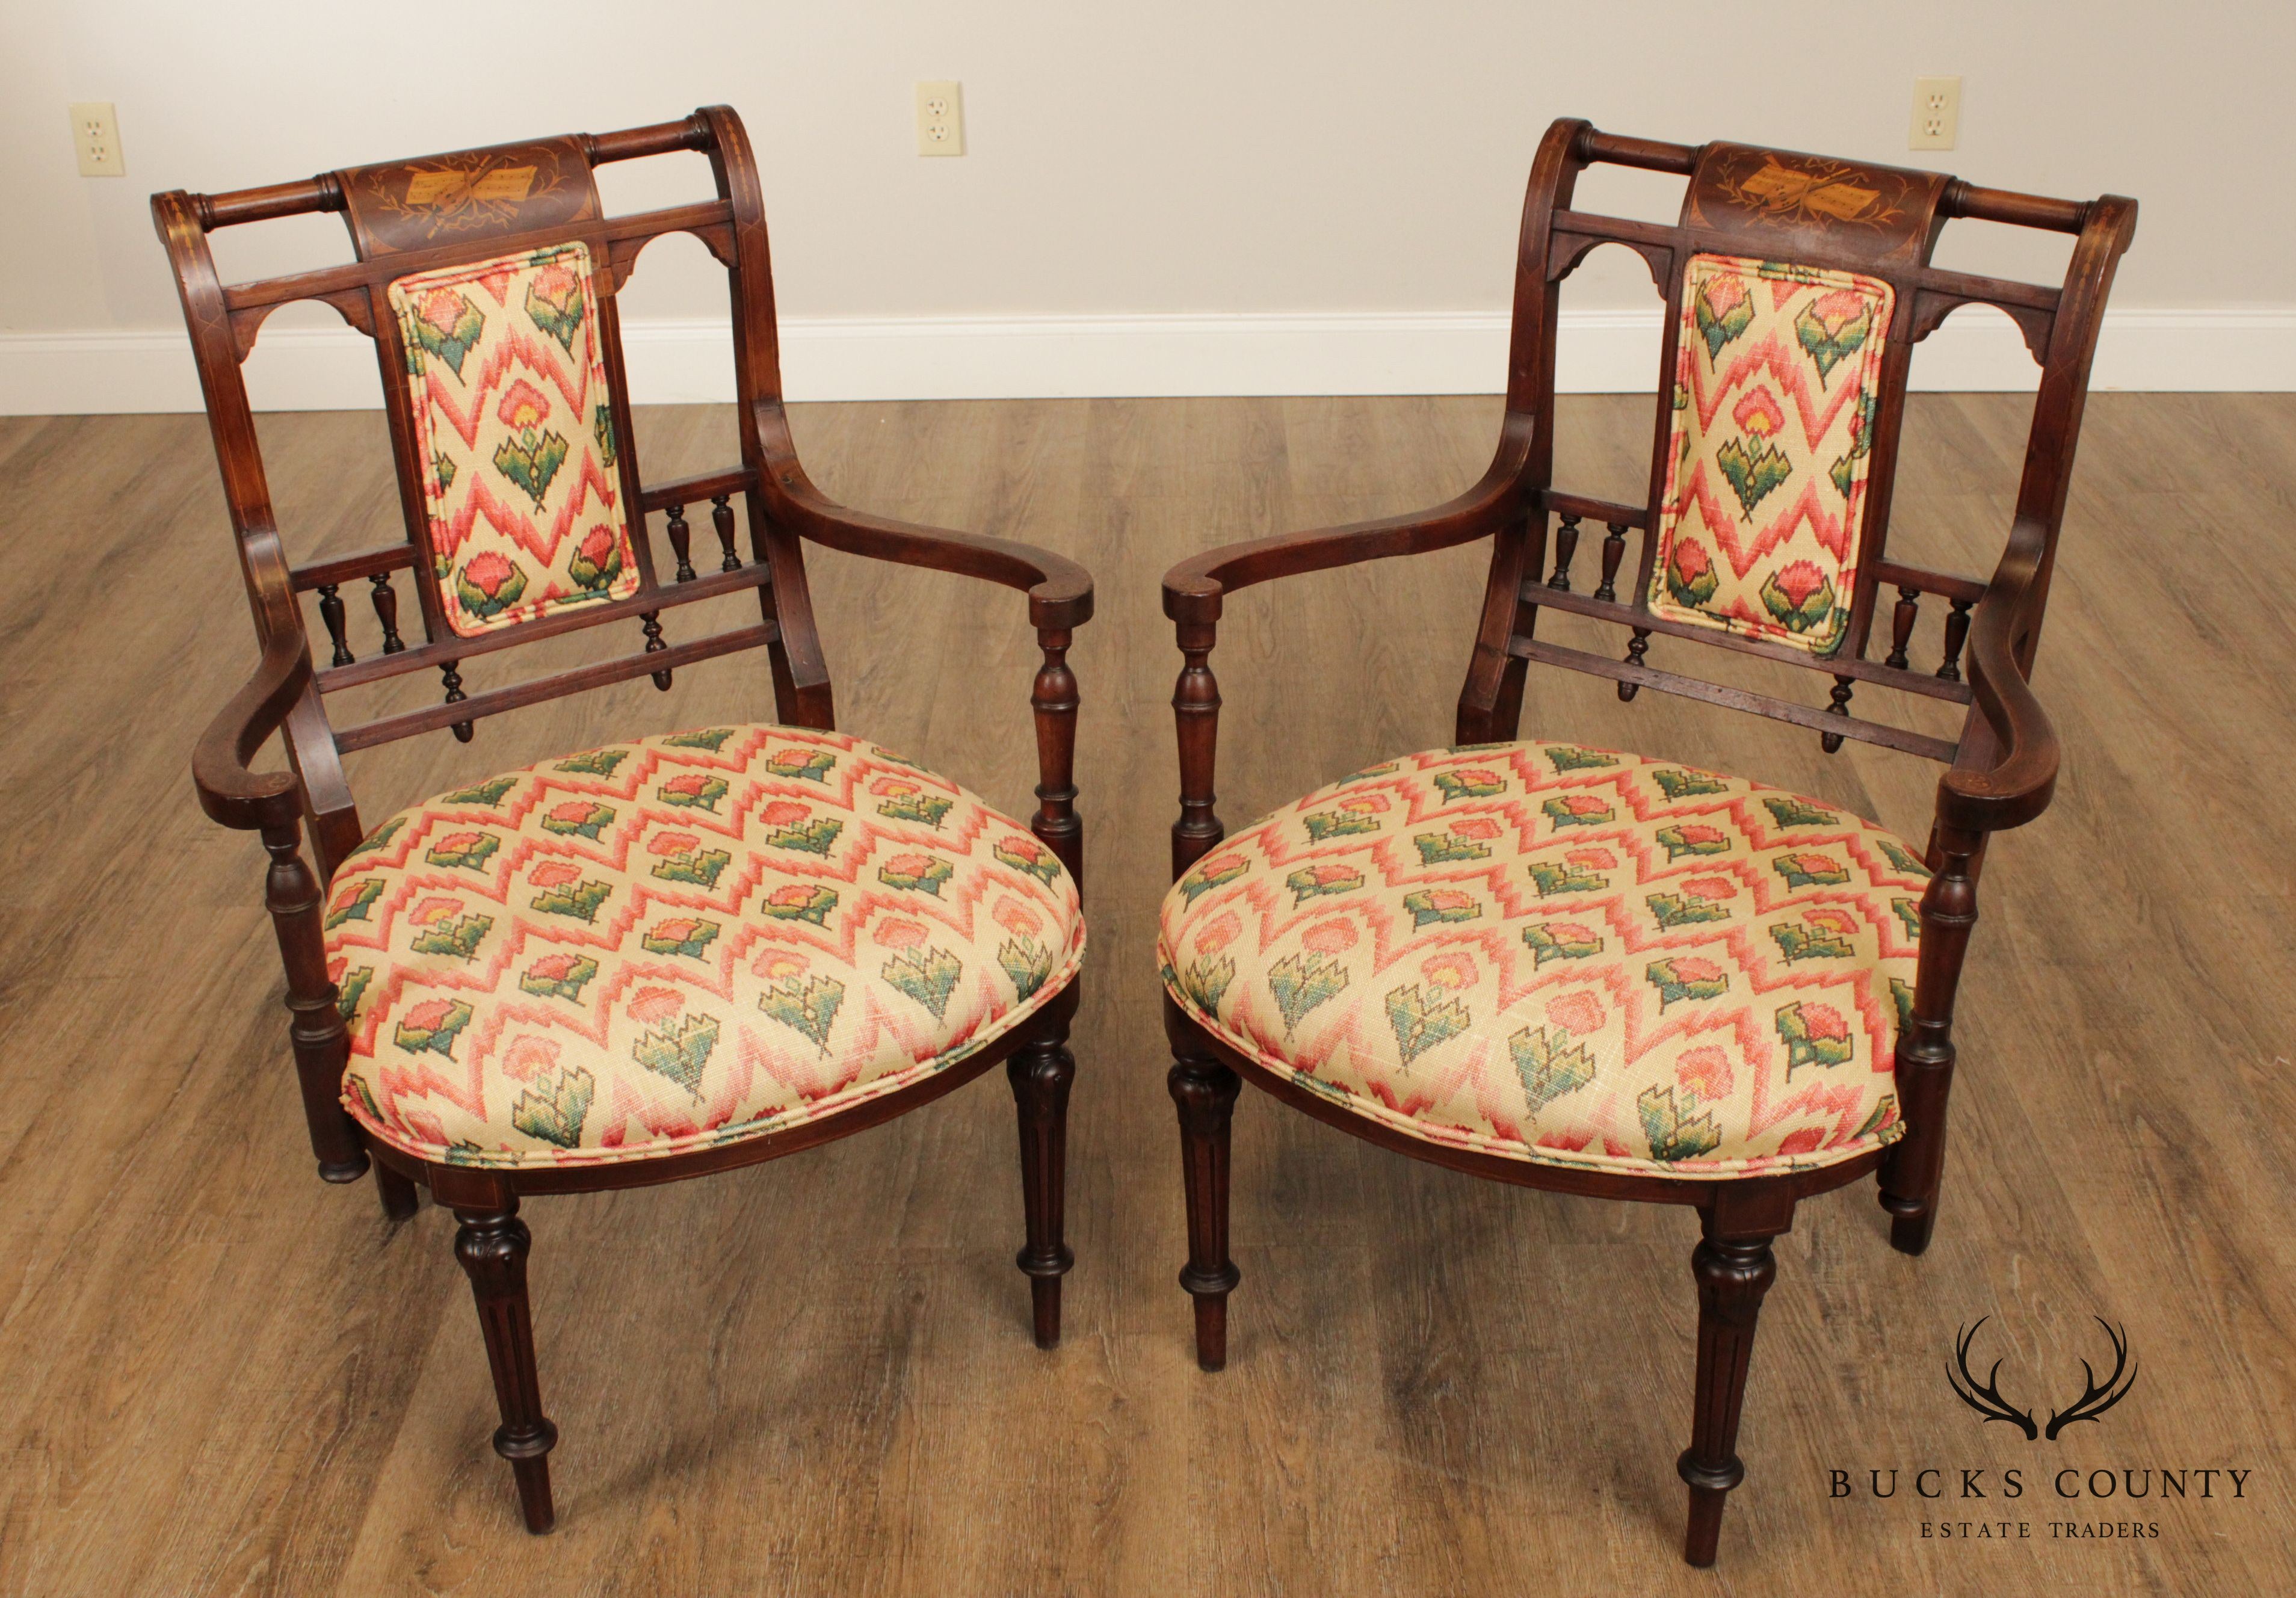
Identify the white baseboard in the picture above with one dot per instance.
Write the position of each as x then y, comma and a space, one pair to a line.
998, 357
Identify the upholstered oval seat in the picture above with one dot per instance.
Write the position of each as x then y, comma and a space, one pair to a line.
684, 940
1565, 956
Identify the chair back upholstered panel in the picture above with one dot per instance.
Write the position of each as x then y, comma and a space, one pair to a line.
1777, 382
507, 404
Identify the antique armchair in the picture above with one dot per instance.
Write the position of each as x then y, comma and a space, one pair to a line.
676, 954
1586, 971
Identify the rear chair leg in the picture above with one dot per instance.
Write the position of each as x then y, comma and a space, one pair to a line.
1040, 1071
396, 1189
492, 1244
1735, 1267
1205, 1090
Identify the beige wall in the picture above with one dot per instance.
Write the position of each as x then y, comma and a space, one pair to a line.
1188, 157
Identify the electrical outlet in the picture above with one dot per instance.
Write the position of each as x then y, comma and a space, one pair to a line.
95, 139
1936, 113
940, 119
95, 135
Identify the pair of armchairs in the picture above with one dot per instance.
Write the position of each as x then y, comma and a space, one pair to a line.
1546, 964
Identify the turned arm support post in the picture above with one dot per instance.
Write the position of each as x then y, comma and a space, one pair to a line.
291, 894
1195, 712
1054, 699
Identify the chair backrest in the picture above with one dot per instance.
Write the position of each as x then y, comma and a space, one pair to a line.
1796, 288
487, 279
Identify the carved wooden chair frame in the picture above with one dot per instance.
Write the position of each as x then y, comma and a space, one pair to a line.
2000, 770
549, 197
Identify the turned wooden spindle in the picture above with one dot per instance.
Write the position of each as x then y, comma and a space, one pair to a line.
1566, 545
681, 543
1614, 550
1831, 742
1637, 647
721, 517
331, 611
1956, 633
453, 680
386, 611
649, 621
1901, 626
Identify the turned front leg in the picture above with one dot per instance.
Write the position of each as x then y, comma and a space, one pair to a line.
492, 1242
1054, 699
1914, 1169
322, 1045
1041, 1071
1735, 1267
1204, 1092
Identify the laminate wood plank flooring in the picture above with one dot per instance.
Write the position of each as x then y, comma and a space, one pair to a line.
218, 1376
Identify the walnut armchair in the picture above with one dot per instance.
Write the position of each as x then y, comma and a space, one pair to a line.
1586, 971
676, 954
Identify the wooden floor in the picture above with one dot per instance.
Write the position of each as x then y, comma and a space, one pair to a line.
218, 1376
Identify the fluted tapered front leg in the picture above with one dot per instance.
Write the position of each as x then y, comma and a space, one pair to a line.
1204, 1092
1735, 1267
492, 1243
1041, 1071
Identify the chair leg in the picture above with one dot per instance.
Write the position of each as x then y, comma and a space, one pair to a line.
1040, 1071
321, 1045
1735, 1267
492, 1244
1205, 1092
396, 1189
1914, 1169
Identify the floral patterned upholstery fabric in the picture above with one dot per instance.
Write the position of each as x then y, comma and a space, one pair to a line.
1568, 956
1778, 379
516, 438
681, 941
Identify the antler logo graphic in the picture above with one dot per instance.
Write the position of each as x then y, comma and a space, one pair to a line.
1985, 1396
2096, 1400
2096, 1397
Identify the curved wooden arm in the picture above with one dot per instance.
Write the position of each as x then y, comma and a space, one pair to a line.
230, 793
2008, 772
1059, 590
1193, 589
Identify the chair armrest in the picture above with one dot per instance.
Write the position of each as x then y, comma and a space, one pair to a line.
2010, 775
1059, 590
229, 792
1193, 589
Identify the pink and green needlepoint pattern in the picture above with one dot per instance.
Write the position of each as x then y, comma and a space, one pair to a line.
681, 941
1776, 387
1566, 956
507, 378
